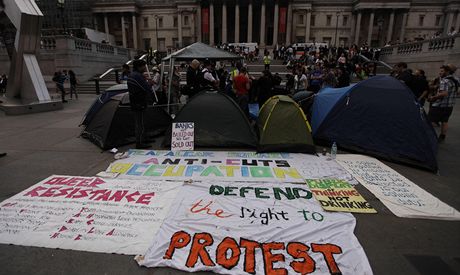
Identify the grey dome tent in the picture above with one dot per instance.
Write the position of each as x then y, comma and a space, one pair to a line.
112, 124
283, 127
219, 122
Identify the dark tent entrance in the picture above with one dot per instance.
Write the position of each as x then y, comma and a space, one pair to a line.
113, 124
219, 122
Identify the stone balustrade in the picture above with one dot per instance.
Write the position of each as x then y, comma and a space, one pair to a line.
428, 55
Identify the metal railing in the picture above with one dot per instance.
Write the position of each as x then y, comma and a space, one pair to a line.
97, 79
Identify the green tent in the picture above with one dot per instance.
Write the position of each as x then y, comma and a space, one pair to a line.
283, 127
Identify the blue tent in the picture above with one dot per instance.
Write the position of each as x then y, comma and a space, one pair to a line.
379, 116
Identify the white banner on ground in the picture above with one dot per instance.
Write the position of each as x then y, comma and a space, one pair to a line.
256, 228
87, 213
403, 197
233, 166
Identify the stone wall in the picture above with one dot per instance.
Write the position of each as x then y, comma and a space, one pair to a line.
427, 55
84, 57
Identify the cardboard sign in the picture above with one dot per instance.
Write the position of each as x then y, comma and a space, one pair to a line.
87, 213
339, 195
237, 166
182, 137
403, 197
256, 228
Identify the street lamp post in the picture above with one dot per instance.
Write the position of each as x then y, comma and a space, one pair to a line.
336, 28
60, 5
156, 30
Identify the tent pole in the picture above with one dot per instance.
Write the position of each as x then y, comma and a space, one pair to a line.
170, 75
162, 74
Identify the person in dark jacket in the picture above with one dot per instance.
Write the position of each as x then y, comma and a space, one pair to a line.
193, 78
139, 90
73, 84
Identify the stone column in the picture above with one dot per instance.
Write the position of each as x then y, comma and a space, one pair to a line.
307, 27
211, 24
262, 24
224, 22
106, 26
457, 23
276, 22
358, 27
96, 26
134, 31
390, 26
289, 25
123, 31
198, 24
450, 19
353, 28
403, 28
237, 22
179, 28
371, 25
249, 22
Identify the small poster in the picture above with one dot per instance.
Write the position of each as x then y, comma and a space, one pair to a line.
338, 195
182, 138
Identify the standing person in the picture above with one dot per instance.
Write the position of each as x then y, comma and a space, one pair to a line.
3, 83
264, 87
300, 80
242, 85
59, 79
208, 81
139, 90
73, 84
156, 78
420, 86
193, 79
443, 101
124, 73
316, 79
267, 60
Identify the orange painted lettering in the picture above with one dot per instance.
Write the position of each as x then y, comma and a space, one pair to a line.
179, 240
221, 253
328, 250
299, 251
198, 250
270, 258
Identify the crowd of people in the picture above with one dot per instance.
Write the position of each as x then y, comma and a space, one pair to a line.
60, 77
316, 69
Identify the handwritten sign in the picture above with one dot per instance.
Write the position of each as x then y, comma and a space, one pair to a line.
339, 195
182, 137
87, 213
238, 166
403, 197
256, 228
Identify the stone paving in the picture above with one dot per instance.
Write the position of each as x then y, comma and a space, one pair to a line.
39, 145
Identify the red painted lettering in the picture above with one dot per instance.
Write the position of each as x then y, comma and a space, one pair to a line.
197, 208
34, 192
250, 255
299, 251
198, 250
221, 253
270, 258
328, 251
179, 240
145, 198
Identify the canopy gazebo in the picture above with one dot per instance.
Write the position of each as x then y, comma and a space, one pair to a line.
197, 51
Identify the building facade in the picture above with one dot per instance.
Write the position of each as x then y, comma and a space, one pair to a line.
163, 24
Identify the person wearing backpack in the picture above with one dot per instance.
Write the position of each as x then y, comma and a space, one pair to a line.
443, 101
